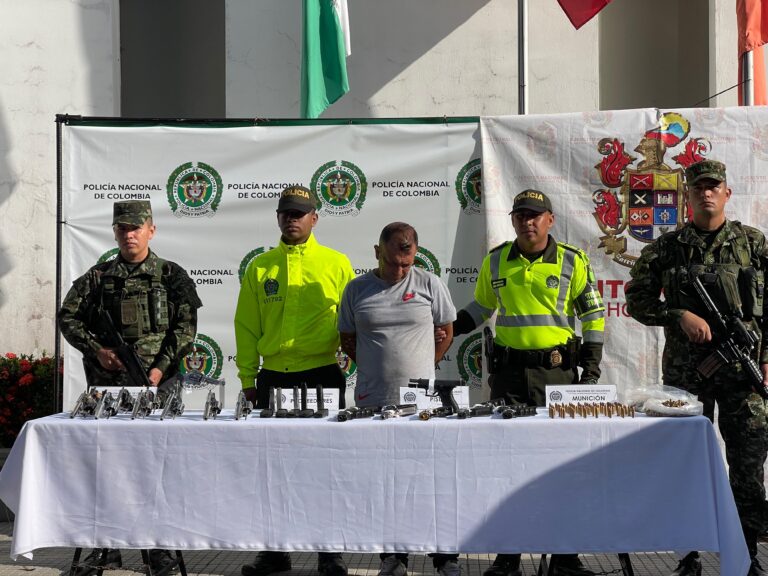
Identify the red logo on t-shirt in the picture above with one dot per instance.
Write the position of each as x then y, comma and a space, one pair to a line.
408, 295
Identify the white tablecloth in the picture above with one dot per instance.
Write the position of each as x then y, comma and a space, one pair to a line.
475, 486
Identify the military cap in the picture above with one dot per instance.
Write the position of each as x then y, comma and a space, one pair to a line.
705, 169
532, 200
296, 198
132, 212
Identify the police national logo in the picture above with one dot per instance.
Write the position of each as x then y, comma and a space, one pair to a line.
426, 260
340, 186
108, 255
206, 357
470, 360
469, 187
194, 189
640, 202
347, 366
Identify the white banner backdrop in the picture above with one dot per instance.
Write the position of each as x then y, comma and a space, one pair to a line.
214, 192
615, 180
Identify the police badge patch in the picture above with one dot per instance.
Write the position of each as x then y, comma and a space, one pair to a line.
271, 286
553, 281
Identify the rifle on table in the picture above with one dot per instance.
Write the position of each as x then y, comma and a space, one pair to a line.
734, 343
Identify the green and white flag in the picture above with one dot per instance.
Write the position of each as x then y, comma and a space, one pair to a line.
324, 64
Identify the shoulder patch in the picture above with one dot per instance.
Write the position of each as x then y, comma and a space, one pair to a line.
572, 248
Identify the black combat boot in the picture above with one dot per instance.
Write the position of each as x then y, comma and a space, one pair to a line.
98, 559
267, 563
569, 565
331, 564
688, 566
505, 565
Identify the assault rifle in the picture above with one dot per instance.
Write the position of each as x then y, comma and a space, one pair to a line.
734, 343
441, 388
243, 406
212, 406
137, 376
89, 403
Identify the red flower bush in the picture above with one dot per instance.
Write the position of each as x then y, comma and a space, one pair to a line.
26, 392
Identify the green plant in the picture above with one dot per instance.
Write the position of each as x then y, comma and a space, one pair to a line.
26, 392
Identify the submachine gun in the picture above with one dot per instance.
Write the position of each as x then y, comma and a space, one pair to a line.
441, 388
734, 343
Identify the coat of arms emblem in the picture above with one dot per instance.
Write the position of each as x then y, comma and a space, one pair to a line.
648, 199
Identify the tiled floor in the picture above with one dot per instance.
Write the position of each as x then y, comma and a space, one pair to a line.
53, 561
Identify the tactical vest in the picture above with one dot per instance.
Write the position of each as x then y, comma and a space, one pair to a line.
728, 272
138, 305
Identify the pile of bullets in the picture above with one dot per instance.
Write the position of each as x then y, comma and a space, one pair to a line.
675, 403
591, 409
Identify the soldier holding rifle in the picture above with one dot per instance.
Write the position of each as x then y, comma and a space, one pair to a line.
728, 260
137, 308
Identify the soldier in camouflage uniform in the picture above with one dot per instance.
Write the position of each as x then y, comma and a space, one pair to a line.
730, 259
152, 303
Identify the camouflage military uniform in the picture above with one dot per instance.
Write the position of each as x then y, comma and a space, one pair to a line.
153, 305
736, 259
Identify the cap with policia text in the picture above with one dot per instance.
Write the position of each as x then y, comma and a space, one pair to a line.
296, 198
131, 212
532, 200
705, 169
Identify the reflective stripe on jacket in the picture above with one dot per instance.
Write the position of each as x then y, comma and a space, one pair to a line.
538, 301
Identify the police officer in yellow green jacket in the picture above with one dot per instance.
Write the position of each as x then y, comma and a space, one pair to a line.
287, 316
537, 287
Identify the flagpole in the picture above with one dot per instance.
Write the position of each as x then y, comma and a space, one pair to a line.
748, 73
522, 56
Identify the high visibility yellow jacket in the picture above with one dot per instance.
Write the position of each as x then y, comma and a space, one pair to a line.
287, 309
538, 301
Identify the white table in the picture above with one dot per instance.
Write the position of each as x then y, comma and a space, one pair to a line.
474, 486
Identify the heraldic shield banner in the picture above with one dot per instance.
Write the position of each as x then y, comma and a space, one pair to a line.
616, 181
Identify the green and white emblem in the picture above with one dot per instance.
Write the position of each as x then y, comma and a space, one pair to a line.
108, 255
470, 360
340, 186
246, 261
425, 259
194, 190
469, 187
206, 357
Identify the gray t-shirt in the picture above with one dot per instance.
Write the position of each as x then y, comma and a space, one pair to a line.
395, 331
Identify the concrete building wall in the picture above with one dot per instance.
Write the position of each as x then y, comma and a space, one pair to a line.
409, 58
57, 57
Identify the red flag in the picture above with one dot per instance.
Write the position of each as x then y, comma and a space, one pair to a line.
580, 12
752, 19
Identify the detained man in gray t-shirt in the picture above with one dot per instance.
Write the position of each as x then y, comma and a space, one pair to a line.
387, 322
